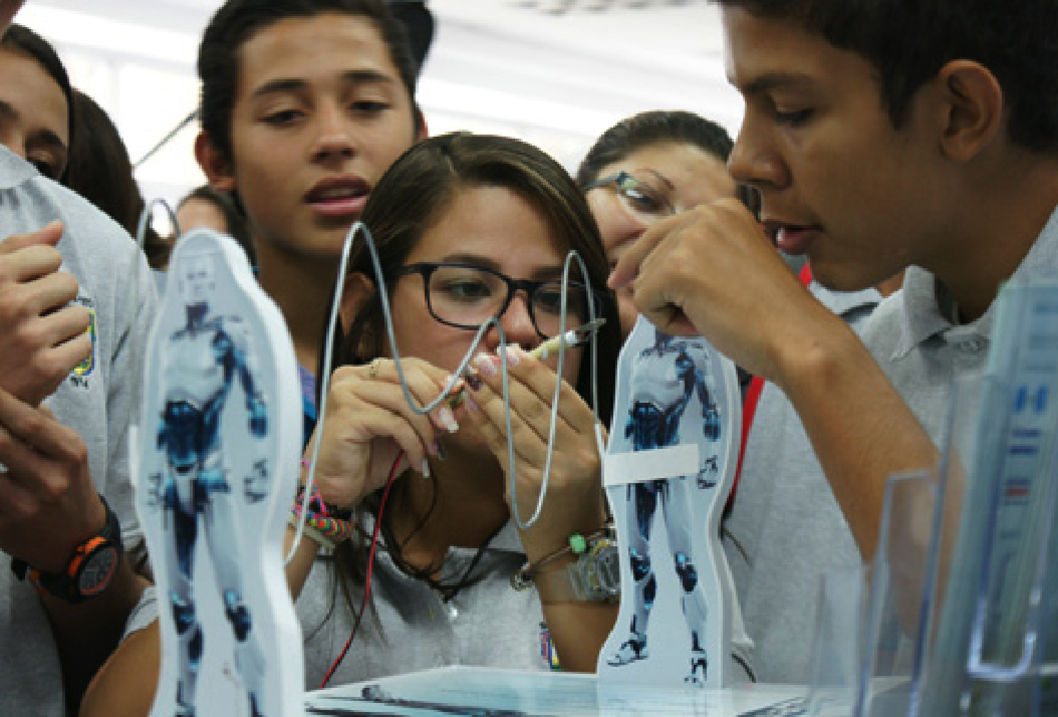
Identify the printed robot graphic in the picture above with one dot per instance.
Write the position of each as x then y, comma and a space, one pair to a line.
673, 446
220, 456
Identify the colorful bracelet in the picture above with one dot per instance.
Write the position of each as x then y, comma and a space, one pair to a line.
327, 526
318, 505
333, 528
314, 535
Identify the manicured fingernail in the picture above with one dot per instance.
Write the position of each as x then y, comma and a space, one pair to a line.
425, 468
474, 381
472, 405
484, 364
448, 419
513, 353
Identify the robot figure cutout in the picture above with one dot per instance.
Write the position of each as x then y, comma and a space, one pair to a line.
203, 361
676, 447
211, 482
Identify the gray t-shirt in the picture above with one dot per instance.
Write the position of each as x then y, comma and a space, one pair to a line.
411, 627
96, 400
785, 528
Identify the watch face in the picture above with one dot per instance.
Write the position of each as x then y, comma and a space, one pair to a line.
98, 569
607, 570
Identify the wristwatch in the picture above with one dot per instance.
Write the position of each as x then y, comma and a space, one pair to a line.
90, 570
594, 576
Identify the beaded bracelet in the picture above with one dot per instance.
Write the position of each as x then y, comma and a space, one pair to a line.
318, 505
326, 526
314, 535
331, 530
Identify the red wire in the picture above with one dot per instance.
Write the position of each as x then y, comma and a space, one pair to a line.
367, 578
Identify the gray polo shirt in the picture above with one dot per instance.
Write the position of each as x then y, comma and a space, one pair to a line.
923, 353
96, 399
786, 528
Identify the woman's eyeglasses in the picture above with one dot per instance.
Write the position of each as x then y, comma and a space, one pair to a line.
465, 296
639, 197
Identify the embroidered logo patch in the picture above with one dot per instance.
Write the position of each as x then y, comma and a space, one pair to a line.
85, 368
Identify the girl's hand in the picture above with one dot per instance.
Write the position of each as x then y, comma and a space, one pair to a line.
574, 502
368, 423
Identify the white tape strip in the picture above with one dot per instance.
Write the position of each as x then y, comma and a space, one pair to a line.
639, 466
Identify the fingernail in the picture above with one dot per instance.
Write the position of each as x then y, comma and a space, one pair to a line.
485, 365
472, 405
513, 353
474, 381
425, 468
448, 419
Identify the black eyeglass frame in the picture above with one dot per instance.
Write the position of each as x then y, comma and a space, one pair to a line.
530, 286
622, 179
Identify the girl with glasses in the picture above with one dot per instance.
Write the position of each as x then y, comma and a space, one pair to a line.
467, 228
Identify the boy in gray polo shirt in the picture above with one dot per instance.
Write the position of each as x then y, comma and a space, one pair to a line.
881, 135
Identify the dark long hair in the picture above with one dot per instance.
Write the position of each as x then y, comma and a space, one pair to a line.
20, 38
100, 171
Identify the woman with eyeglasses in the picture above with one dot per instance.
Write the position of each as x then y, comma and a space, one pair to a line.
467, 228
648, 167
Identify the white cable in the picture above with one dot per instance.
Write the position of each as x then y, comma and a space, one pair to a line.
134, 301
464, 363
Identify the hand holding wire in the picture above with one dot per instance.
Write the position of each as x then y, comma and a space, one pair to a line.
573, 502
369, 422
450, 390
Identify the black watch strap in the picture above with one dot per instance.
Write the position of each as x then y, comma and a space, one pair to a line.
105, 548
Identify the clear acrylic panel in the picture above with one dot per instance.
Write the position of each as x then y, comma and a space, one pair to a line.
839, 639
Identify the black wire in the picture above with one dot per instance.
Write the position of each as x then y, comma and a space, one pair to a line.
167, 138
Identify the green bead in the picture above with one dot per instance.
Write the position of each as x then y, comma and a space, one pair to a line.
578, 543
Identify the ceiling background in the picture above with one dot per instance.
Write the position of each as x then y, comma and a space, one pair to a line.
553, 72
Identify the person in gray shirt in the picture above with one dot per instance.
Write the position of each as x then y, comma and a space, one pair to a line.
881, 136
65, 497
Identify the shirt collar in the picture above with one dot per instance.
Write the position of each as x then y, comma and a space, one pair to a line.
845, 302
925, 301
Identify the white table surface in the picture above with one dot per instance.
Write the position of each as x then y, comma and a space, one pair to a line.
510, 693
